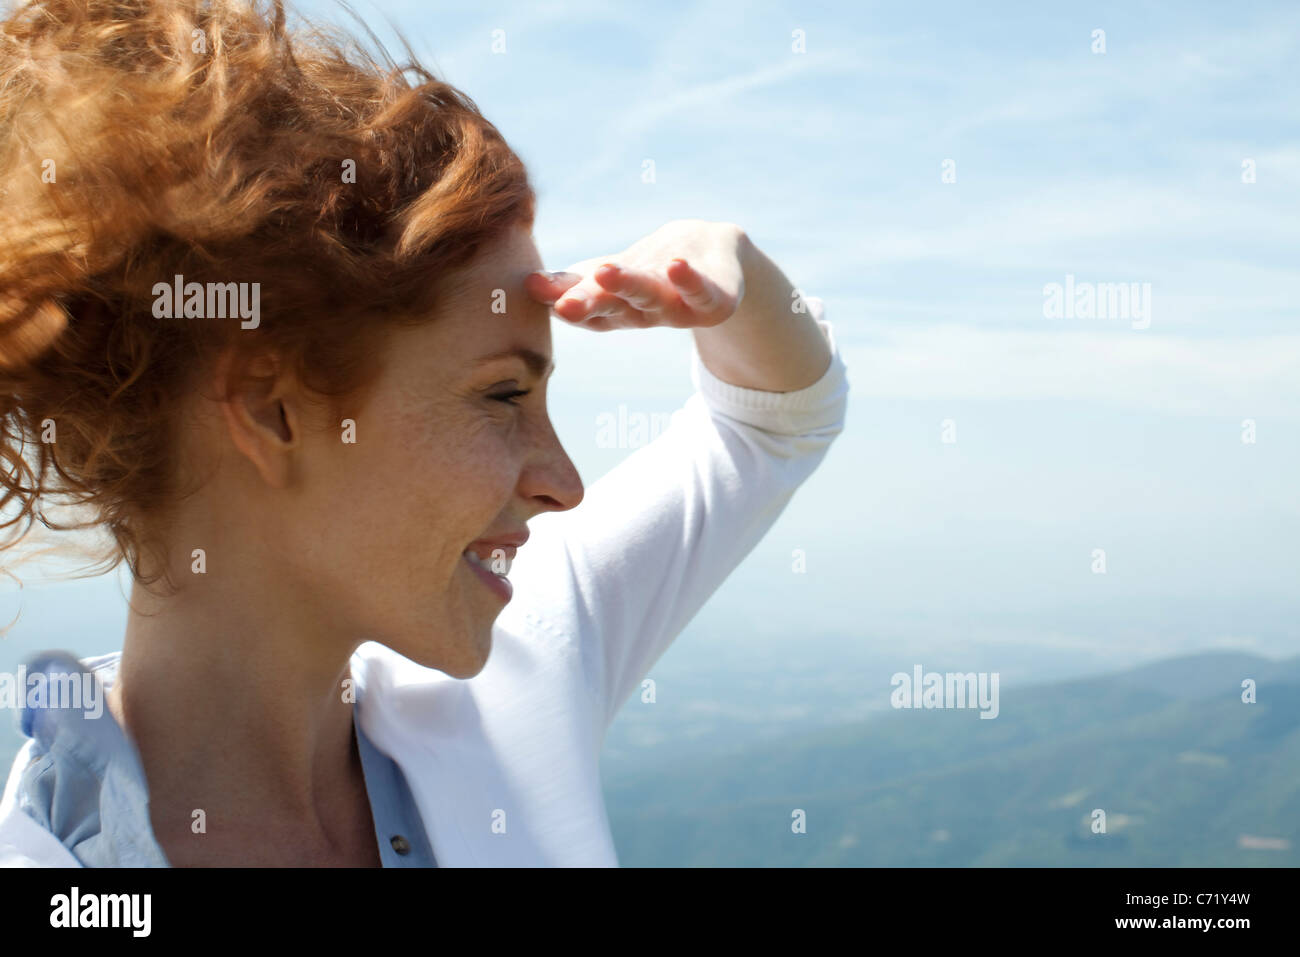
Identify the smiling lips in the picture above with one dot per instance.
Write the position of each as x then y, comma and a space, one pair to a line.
492, 561
487, 551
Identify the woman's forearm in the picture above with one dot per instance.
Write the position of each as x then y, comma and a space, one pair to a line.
769, 343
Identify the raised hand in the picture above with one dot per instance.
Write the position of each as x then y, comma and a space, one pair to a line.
686, 274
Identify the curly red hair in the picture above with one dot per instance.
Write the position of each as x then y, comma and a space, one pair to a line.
142, 139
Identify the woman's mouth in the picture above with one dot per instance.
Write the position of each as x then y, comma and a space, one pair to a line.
486, 570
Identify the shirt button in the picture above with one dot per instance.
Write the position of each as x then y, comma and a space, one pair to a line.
400, 844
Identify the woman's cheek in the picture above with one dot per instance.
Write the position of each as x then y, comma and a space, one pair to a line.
497, 470
485, 468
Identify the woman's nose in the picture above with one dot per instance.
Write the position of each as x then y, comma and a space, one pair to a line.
552, 479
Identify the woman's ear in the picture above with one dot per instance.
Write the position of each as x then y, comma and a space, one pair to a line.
261, 414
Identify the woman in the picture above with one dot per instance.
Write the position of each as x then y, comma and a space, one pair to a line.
274, 316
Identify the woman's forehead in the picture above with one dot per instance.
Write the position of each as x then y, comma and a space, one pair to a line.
487, 318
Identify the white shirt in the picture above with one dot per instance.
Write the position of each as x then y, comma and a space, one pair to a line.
504, 766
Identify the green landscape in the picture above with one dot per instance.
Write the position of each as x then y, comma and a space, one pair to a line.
1185, 771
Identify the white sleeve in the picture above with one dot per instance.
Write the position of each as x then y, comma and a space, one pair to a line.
625, 571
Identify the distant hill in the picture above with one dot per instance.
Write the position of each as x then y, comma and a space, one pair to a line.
1186, 773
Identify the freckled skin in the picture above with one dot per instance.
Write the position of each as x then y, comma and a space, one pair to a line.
231, 686
439, 463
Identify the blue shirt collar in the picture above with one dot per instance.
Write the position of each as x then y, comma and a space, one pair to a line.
86, 783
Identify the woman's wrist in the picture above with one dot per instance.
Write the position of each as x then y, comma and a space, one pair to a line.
771, 342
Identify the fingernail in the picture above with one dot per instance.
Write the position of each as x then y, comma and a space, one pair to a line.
547, 297
580, 298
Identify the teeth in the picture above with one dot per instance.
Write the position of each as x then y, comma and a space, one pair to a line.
499, 560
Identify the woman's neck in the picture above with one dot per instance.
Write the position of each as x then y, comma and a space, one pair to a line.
238, 709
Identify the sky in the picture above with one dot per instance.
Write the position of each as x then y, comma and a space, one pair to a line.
927, 170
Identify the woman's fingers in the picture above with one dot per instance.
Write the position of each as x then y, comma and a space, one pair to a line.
607, 295
696, 291
639, 289
709, 300
576, 304
574, 300
546, 287
598, 309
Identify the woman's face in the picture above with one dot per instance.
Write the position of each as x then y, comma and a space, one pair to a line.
453, 451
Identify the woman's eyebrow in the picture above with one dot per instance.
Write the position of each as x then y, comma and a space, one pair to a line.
538, 364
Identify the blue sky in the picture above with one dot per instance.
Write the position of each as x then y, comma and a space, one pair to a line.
1072, 434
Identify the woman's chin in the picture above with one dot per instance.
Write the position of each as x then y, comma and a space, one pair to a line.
466, 660
464, 667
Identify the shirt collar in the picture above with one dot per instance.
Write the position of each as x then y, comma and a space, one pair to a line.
91, 793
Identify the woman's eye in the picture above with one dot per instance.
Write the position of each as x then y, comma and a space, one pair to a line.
510, 397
